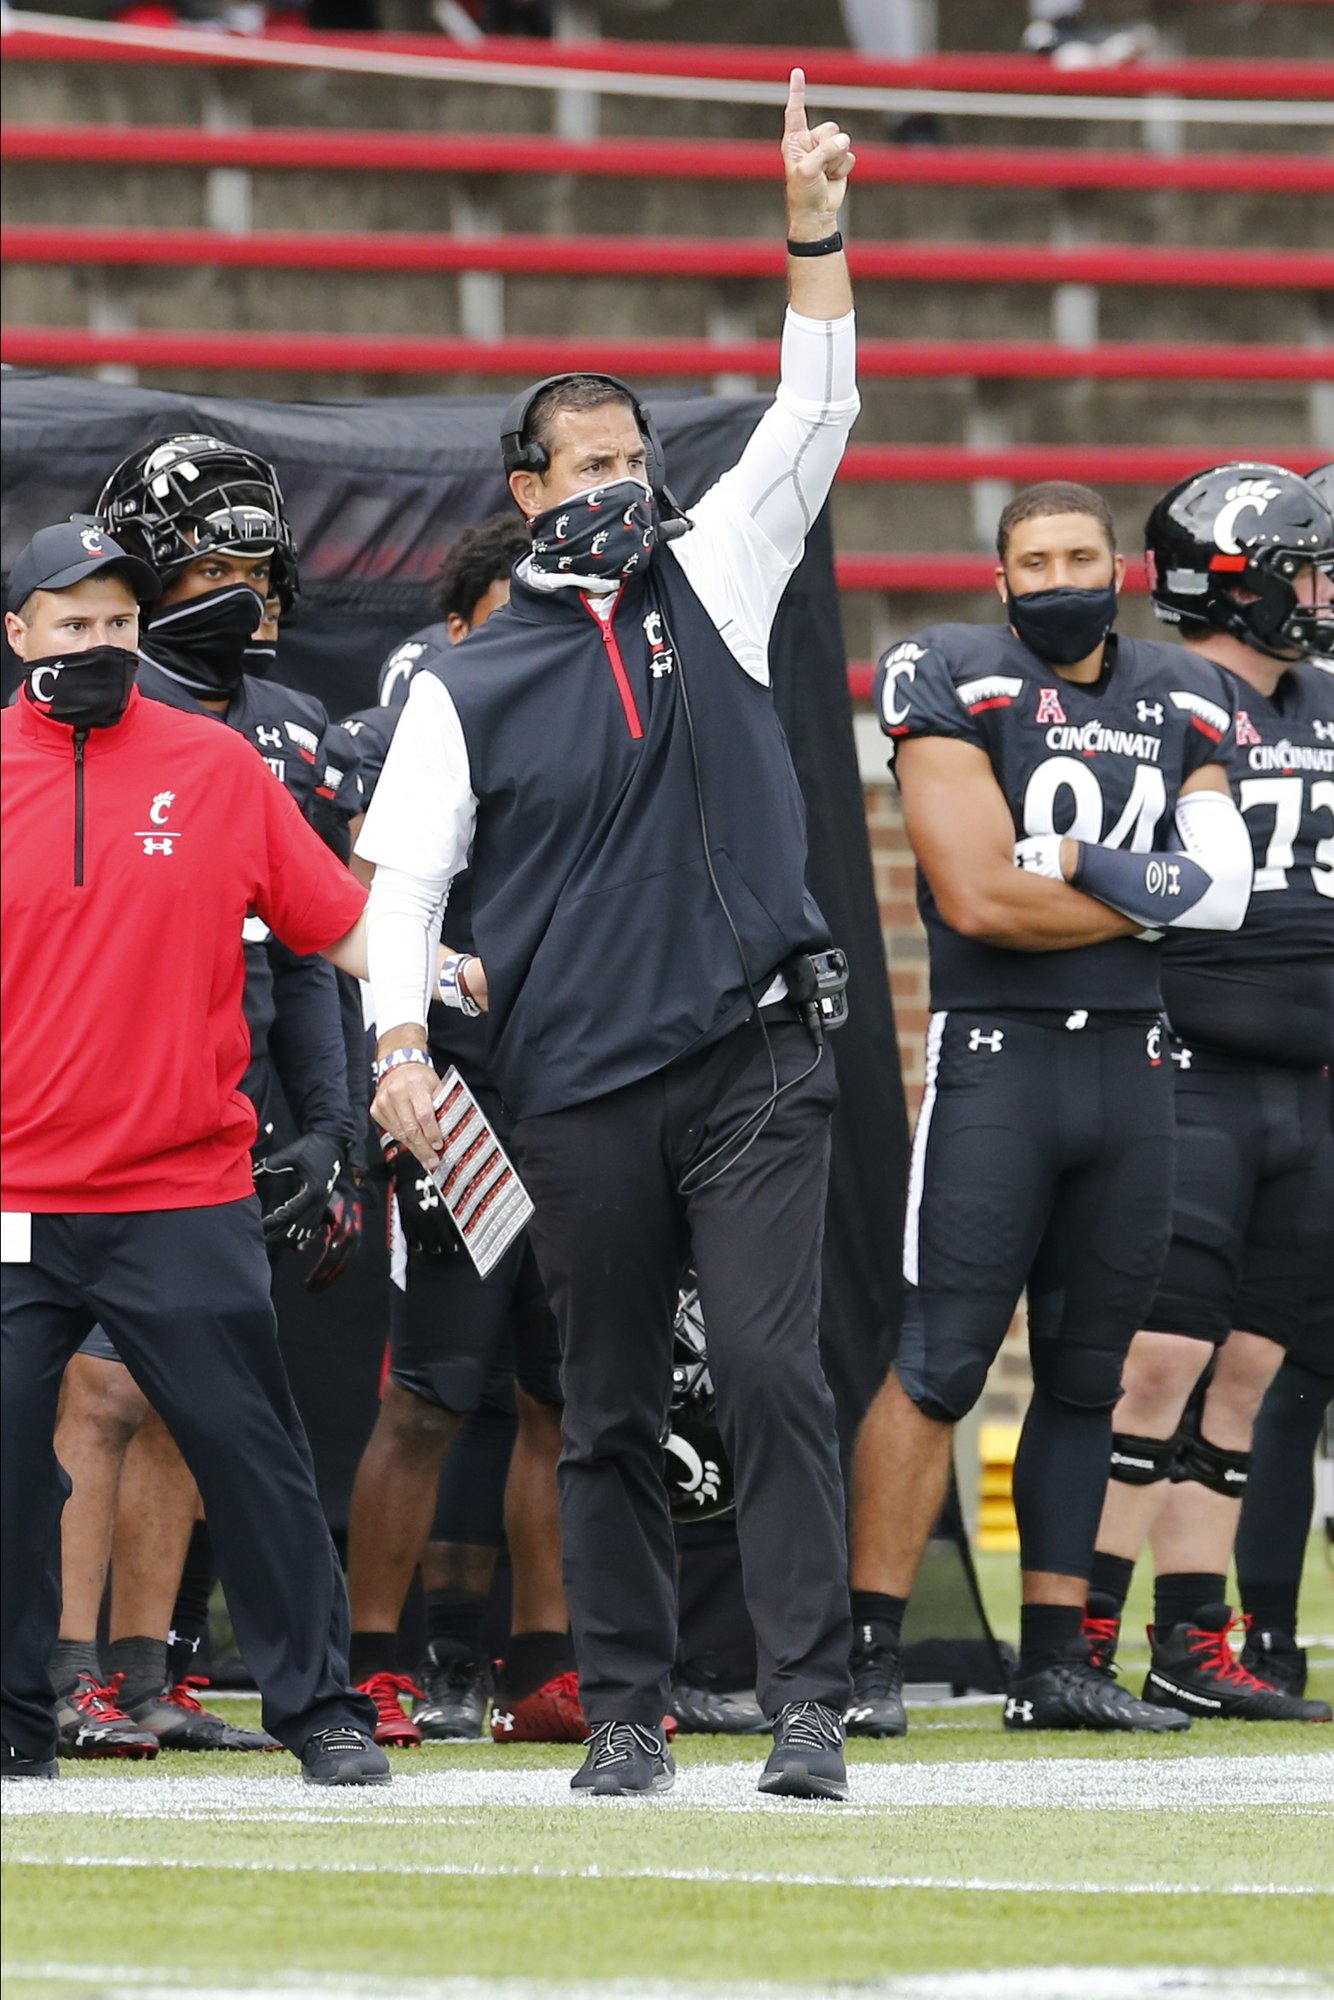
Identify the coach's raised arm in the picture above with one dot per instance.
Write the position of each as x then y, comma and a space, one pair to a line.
606, 754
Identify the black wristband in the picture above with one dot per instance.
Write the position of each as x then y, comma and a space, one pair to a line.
824, 248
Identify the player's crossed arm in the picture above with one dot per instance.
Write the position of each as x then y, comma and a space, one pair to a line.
962, 834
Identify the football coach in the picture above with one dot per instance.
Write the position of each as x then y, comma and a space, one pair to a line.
136, 840
607, 753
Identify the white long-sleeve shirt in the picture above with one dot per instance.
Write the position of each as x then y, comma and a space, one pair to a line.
749, 532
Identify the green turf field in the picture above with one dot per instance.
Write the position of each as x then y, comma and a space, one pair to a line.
969, 1865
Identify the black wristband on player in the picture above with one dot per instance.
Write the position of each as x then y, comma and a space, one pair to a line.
824, 248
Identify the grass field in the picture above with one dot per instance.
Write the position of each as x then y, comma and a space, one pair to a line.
969, 1865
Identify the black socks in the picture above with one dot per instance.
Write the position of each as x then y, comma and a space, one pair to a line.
71, 1658
143, 1662
454, 1624
1109, 1584
189, 1618
877, 1618
371, 1653
1047, 1633
1178, 1597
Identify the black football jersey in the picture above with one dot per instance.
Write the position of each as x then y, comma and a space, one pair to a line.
289, 730
1102, 762
454, 1037
1267, 990
424, 649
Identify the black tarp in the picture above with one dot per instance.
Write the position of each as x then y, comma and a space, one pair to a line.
376, 491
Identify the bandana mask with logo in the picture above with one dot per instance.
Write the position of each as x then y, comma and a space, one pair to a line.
604, 532
86, 690
203, 642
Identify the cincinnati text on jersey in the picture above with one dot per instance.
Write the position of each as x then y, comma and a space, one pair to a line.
1092, 739
1287, 756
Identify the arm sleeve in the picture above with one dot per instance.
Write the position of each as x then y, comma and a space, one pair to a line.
915, 695
306, 1042
418, 832
302, 891
1204, 885
751, 526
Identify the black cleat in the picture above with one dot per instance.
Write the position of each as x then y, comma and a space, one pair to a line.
343, 1756
703, 1712
1193, 1669
625, 1760
455, 1694
806, 1761
1074, 1694
1274, 1657
12, 1765
876, 1708
91, 1723
180, 1722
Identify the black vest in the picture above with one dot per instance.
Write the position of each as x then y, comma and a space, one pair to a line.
607, 948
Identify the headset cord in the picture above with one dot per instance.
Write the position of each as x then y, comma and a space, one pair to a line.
688, 1183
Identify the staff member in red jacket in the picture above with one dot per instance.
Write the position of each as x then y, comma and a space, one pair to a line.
136, 839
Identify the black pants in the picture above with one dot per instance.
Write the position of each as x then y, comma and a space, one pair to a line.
612, 1233
1042, 1159
184, 1294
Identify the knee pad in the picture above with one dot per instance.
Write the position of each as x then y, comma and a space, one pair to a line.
1087, 1378
1203, 1464
1140, 1461
944, 1386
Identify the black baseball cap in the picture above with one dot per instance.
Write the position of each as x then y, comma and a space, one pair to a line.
58, 557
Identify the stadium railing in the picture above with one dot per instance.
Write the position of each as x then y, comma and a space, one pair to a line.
668, 159
665, 256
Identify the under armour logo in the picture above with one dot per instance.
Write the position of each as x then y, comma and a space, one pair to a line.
160, 807
661, 663
272, 738
1182, 1058
1149, 711
1018, 1711
501, 1718
1324, 732
977, 1040
165, 844
1078, 1019
425, 1191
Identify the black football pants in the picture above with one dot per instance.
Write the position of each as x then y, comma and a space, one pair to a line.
612, 1234
184, 1294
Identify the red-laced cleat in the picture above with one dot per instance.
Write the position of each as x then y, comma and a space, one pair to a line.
552, 1713
91, 1722
391, 1725
180, 1721
1194, 1669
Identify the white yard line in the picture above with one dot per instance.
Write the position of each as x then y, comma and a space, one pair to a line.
1078, 1784
1013, 1983
706, 1877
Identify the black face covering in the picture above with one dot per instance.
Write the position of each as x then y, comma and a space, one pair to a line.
1062, 626
203, 642
607, 531
87, 690
260, 658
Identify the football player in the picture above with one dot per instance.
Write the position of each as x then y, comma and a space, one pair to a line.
209, 517
1064, 792
465, 1354
1241, 561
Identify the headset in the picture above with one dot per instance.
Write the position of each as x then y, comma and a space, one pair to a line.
521, 453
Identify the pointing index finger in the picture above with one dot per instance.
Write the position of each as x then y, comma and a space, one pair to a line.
794, 117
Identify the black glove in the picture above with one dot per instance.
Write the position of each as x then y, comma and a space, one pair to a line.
426, 1221
339, 1239
298, 1179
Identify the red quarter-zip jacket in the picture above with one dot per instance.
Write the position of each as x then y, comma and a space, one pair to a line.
131, 857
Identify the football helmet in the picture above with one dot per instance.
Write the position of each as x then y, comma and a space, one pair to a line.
694, 1463
191, 495
1224, 547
